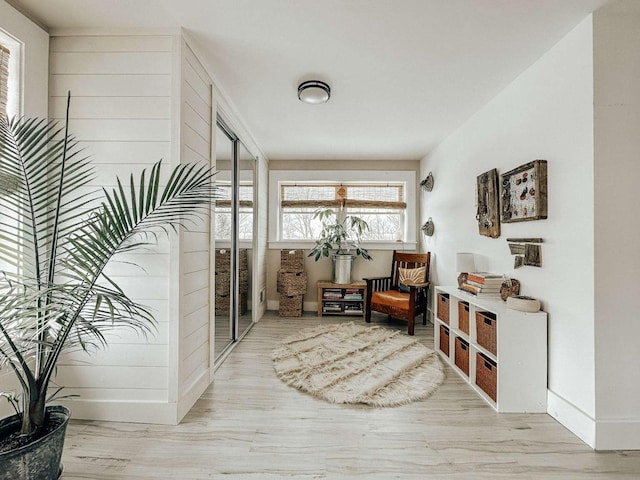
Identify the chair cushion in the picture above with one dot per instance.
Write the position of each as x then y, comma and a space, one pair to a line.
390, 298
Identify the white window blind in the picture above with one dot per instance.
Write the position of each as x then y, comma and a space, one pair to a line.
382, 206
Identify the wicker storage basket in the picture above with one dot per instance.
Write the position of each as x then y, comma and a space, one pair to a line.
291, 260
244, 281
486, 331
487, 375
223, 260
290, 305
443, 307
444, 340
223, 283
463, 317
462, 355
223, 304
292, 283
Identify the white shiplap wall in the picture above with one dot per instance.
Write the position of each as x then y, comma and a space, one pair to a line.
122, 89
195, 330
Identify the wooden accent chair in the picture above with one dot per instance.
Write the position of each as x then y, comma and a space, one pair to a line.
397, 299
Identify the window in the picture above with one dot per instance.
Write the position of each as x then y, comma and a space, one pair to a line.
223, 212
387, 206
382, 206
4, 78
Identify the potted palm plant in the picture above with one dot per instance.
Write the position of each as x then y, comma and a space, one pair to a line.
54, 294
340, 241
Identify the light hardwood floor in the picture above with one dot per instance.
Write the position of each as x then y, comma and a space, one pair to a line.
250, 425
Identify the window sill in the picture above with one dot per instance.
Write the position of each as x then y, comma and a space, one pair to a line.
306, 245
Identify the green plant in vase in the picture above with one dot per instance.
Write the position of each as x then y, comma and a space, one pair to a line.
55, 242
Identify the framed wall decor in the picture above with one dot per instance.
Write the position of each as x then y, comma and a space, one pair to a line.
488, 201
523, 192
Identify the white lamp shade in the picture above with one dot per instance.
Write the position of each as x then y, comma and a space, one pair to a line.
465, 262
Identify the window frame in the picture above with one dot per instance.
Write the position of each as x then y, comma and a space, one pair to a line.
407, 177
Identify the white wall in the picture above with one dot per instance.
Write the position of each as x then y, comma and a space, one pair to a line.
35, 80
617, 224
546, 113
122, 89
195, 358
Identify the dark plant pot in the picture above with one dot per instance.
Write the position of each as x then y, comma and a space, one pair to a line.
39, 460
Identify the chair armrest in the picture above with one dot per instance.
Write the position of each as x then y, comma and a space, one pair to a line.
377, 284
375, 278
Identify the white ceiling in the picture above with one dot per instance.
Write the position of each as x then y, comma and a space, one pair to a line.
404, 74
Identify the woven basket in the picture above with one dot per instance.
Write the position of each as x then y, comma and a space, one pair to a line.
462, 355
444, 340
223, 283
223, 260
463, 317
290, 305
443, 307
244, 281
292, 283
291, 260
486, 331
223, 304
487, 375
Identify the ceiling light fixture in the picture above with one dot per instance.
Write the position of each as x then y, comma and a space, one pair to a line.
314, 92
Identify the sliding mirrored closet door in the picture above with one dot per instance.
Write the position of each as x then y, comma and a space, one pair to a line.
234, 238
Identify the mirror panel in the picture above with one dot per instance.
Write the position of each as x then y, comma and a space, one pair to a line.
224, 325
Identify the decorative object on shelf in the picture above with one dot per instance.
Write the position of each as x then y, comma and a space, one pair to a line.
483, 284
488, 201
314, 92
524, 192
464, 264
427, 182
509, 288
523, 303
428, 227
526, 251
339, 240
357, 364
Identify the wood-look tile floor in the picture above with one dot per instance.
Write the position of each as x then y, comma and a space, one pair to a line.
250, 425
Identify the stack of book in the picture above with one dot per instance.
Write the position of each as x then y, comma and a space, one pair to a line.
352, 294
483, 284
332, 293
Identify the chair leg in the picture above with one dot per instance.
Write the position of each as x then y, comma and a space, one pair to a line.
411, 325
424, 317
367, 315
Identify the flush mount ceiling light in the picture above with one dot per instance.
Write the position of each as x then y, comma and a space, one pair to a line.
314, 92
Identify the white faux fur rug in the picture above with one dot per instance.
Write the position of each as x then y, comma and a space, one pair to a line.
348, 363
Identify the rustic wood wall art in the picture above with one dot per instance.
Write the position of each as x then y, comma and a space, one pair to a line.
526, 251
524, 192
488, 214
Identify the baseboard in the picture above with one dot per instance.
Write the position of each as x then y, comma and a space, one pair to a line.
575, 420
192, 394
618, 434
111, 411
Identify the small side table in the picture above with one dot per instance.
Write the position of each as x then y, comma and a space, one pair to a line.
341, 298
